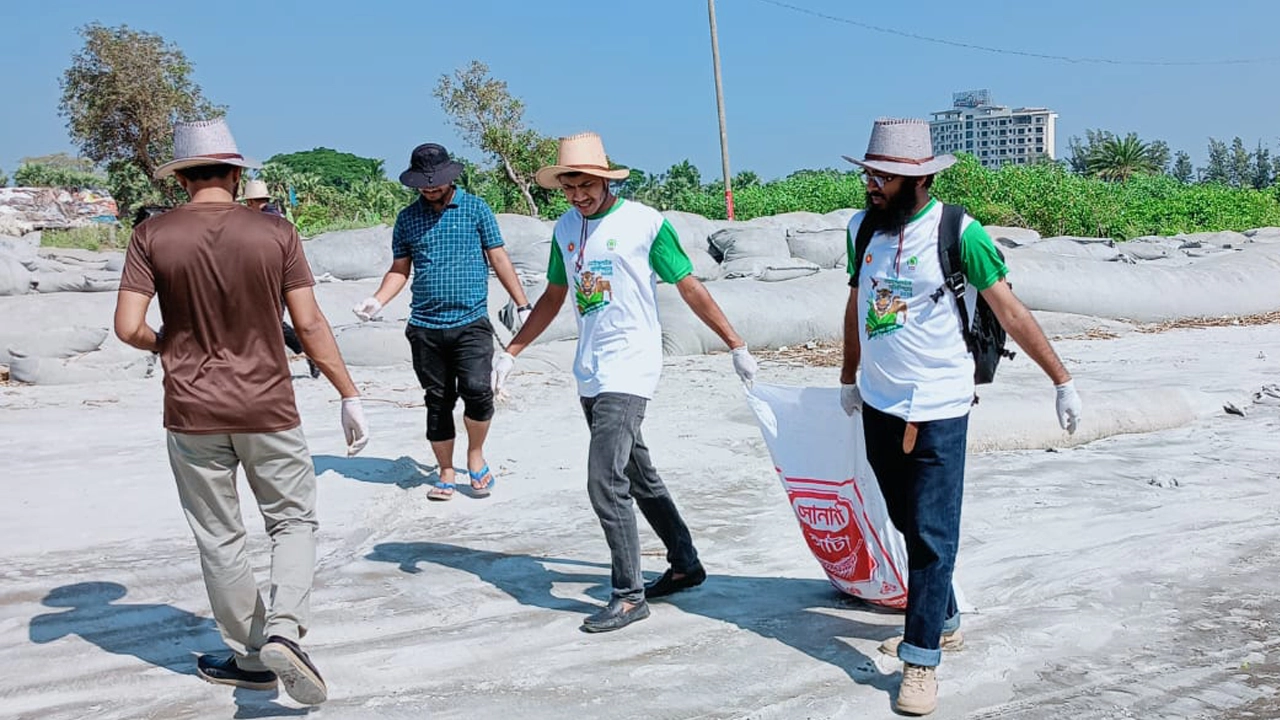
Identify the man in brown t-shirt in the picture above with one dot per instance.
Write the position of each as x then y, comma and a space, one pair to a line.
220, 271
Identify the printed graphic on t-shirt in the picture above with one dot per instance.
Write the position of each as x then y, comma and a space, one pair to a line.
886, 310
593, 289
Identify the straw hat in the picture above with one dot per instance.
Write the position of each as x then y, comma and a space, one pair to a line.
581, 153
205, 142
255, 190
902, 147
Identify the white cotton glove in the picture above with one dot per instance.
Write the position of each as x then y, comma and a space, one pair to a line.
368, 309
744, 365
1069, 406
354, 426
502, 367
850, 399
522, 316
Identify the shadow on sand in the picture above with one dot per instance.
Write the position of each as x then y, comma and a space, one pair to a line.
404, 471
159, 635
792, 611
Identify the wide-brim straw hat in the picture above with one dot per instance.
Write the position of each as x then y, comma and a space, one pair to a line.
255, 190
902, 147
204, 142
581, 153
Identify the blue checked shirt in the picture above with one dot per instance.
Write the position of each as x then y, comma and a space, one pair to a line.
450, 272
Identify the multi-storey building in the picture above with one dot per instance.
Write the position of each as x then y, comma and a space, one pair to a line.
995, 134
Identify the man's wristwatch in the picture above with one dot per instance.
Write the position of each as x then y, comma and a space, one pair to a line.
526, 306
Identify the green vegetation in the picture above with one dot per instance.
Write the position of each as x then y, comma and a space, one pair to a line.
1052, 200
330, 167
125, 88
58, 170
92, 237
324, 205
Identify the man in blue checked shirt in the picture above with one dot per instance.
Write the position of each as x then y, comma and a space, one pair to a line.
449, 238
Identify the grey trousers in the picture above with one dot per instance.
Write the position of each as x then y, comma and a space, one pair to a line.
281, 475
619, 469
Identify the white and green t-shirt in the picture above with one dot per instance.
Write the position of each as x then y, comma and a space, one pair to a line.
915, 364
612, 258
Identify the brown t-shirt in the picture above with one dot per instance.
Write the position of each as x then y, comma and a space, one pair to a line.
220, 271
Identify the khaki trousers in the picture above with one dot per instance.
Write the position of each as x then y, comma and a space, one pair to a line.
281, 475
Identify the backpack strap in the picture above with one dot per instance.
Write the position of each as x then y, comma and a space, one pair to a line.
860, 243
949, 257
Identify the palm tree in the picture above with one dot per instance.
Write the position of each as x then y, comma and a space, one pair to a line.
1121, 158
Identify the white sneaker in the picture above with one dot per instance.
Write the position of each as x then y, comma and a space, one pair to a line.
918, 693
951, 642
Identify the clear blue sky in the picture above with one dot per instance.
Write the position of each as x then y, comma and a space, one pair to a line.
800, 90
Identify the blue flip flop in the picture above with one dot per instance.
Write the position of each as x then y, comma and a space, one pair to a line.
441, 491
482, 490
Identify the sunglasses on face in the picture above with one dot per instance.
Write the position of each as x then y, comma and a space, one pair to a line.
877, 178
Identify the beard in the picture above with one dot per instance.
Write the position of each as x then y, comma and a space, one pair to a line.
894, 216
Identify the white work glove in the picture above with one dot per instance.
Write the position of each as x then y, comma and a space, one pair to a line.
502, 367
368, 309
522, 316
1069, 406
744, 365
354, 426
850, 399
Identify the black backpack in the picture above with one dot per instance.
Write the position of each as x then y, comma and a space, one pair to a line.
985, 336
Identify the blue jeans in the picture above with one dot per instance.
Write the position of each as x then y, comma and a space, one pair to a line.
922, 487
618, 469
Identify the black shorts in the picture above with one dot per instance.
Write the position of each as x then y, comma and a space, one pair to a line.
452, 363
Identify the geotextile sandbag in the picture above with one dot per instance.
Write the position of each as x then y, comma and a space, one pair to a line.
15, 278
764, 314
51, 342
350, 254
1233, 282
829, 249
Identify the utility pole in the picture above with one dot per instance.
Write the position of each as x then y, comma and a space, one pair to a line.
724, 136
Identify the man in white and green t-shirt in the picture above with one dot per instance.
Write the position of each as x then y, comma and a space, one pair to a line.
612, 251
902, 327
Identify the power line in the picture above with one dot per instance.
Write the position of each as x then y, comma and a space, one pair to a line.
1020, 53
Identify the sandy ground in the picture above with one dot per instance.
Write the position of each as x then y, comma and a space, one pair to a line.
1126, 572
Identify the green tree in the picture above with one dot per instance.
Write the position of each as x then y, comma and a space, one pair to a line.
62, 161
4, 179
132, 189
745, 179
1121, 158
57, 174
1240, 167
1182, 170
338, 169
1219, 168
1079, 152
1261, 174
683, 176
1158, 150
491, 119
123, 93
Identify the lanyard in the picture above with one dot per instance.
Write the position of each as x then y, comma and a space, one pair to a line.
582, 247
897, 259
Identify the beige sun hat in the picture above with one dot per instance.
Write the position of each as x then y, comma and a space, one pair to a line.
255, 190
581, 153
204, 142
902, 147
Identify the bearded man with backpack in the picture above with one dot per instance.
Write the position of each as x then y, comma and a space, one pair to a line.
919, 271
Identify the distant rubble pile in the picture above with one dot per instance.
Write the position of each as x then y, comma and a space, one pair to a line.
26, 209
